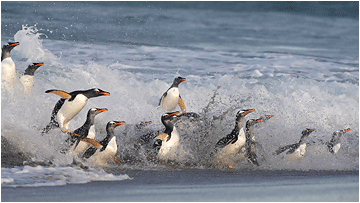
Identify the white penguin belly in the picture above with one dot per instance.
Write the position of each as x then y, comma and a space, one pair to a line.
234, 148
298, 153
172, 99
8, 73
168, 148
70, 109
84, 145
102, 158
27, 81
336, 148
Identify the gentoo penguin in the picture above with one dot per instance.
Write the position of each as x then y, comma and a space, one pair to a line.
296, 150
8, 70
171, 98
27, 79
87, 130
108, 149
69, 106
334, 144
167, 142
233, 142
250, 144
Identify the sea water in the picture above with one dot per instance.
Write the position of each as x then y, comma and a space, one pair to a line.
300, 67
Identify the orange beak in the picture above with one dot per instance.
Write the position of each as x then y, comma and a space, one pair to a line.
105, 93
249, 111
120, 123
14, 44
102, 110
39, 64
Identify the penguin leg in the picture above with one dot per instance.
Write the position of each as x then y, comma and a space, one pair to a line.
182, 105
60, 93
116, 160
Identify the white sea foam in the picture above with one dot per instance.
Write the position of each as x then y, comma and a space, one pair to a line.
299, 91
37, 176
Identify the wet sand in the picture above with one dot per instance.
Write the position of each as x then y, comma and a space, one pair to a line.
203, 185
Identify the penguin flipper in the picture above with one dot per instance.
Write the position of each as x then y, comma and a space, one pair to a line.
61, 93
162, 98
89, 152
92, 142
282, 149
229, 139
182, 104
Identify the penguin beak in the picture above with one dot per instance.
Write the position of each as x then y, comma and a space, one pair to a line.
105, 93
120, 123
269, 116
174, 113
258, 120
311, 130
14, 44
347, 130
38, 64
182, 79
102, 110
148, 122
249, 111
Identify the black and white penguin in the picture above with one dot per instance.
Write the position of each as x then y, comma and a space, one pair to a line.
27, 79
69, 106
167, 142
334, 144
297, 150
171, 98
8, 70
108, 149
251, 145
87, 130
233, 142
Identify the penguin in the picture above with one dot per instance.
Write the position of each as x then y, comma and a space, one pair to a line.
8, 70
233, 142
69, 106
251, 144
108, 146
87, 130
296, 150
27, 79
167, 142
334, 144
171, 98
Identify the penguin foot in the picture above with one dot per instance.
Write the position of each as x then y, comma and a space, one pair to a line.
230, 166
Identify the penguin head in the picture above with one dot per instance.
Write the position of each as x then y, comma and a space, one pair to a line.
32, 68
96, 111
252, 122
305, 133
339, 133
170, 117
177, 81
96, 92
267, 117
143, 124
243, 113
9, 46
113, 124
